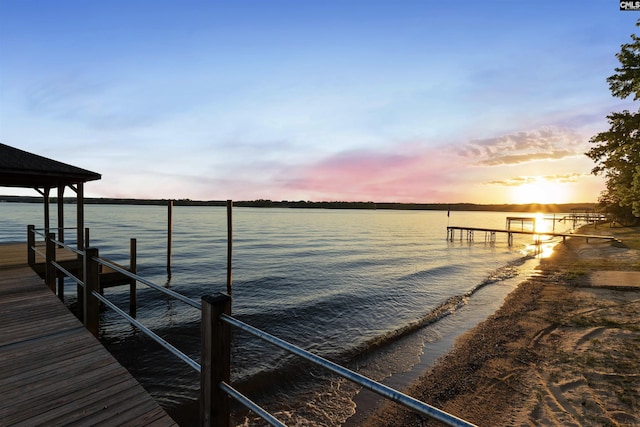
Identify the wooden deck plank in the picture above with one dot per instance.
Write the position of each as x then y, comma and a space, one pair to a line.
54, 371
13, 255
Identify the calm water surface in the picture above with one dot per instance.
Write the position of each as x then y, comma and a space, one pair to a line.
368, 289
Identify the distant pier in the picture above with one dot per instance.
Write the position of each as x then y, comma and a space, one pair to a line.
468, 233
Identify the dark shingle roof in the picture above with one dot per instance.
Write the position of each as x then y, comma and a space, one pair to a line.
22, 169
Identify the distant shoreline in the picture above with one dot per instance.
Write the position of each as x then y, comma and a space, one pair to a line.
262, 203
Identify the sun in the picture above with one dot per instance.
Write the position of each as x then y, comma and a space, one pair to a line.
541, 190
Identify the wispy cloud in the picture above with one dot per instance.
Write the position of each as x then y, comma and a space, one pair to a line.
523, 180
523, 147
104, 103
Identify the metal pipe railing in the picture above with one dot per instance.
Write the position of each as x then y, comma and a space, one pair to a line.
186, 359
33, 248
40, 233
249, 404
92, 285
142, 280
68, 273
376, 387
67, 247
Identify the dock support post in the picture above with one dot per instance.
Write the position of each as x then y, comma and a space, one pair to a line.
31, 243
79, 287
215, 361
229, 244
92, 283
60, 203
169, 234
133, 267
50, 270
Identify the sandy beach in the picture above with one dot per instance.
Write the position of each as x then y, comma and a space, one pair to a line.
563, 350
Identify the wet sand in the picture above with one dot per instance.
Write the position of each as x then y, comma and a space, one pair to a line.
563, 350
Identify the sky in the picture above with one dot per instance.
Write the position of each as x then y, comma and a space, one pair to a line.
414, 101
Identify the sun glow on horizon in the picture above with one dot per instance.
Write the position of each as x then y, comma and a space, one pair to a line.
541, 190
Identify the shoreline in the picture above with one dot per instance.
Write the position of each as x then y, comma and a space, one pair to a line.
480, 303
559, 351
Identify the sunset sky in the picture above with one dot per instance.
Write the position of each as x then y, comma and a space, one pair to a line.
390, 101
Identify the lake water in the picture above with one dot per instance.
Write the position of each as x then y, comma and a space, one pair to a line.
382, 292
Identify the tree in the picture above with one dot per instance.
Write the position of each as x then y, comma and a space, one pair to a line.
617, 151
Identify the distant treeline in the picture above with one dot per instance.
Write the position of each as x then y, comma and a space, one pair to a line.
262, 203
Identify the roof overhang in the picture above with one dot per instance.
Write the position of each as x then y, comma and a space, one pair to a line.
19, 168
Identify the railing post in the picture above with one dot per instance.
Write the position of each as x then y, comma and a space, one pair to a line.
169, 234
133, 267
92, 283
229, 244
80, 288
49, 269
31, 243
215, 361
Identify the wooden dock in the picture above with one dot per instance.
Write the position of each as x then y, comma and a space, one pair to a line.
490, 234
54, 372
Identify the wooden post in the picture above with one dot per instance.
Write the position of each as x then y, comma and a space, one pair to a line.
60, 203
215, 361
45, 194
80, 216
79, 288
169, 235
31, 243
50, 270
133, 267
229, 244
92, 283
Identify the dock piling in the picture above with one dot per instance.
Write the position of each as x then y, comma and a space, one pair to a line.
133, 267
92, 283
50, 254
229, 244
31, 243
169, 234
215, 361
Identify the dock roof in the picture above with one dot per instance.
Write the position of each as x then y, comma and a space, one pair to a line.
19, 168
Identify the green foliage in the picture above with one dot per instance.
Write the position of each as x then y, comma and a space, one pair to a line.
626, 81
616, 152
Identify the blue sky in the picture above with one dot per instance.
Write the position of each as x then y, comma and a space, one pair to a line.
410, 101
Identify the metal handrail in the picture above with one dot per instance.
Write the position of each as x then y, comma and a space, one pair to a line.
193, 364
68, 274
41, 233
33, 248
142, 280
186, 359
249, 404
173, 350
376, 387
67, 247
355, 377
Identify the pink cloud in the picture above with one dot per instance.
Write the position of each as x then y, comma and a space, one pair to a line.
412, 176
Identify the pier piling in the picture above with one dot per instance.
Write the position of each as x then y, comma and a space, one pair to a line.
92, 283
215, 361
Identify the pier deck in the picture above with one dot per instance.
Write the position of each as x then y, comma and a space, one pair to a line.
54, 372
493, 231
